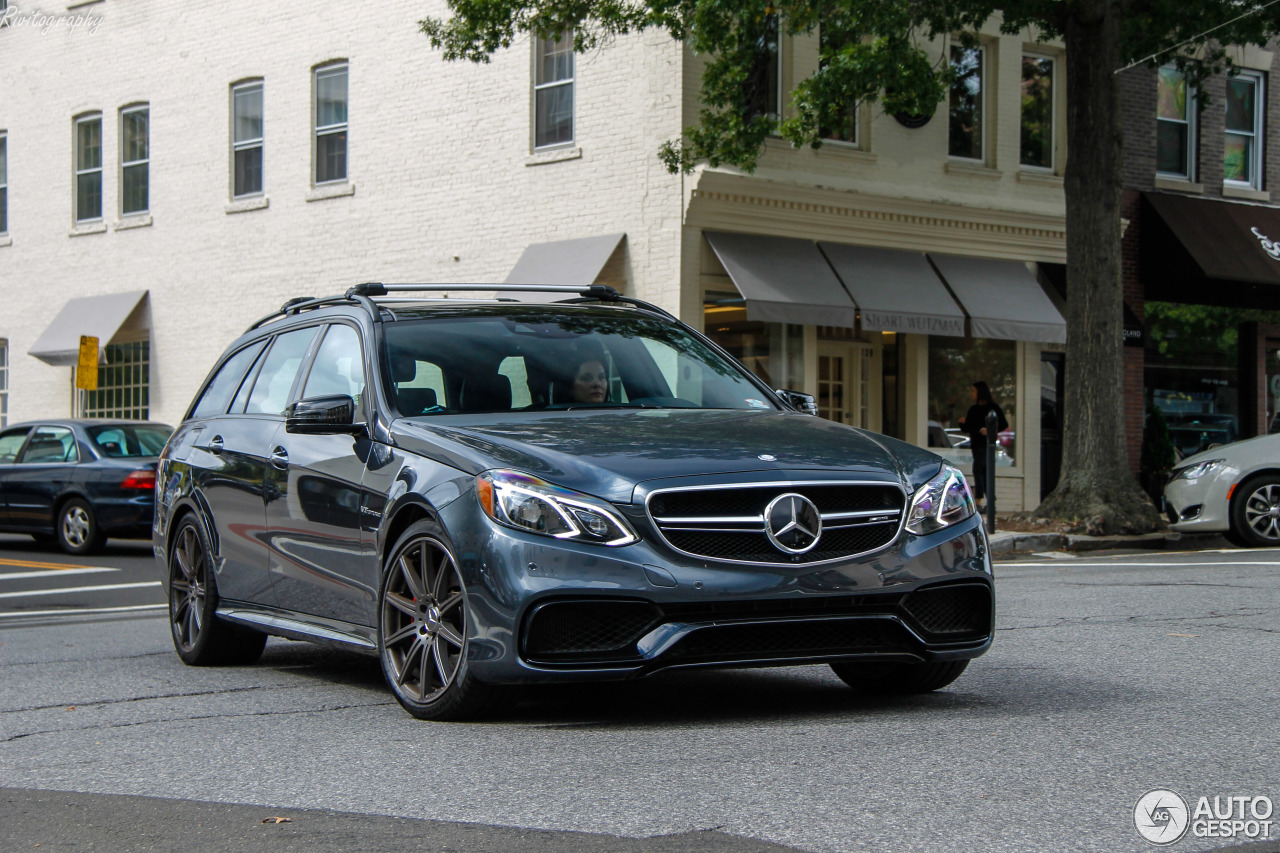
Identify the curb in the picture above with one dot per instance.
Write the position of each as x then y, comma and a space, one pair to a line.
1015, 542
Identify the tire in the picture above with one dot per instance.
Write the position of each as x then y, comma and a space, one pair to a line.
77, 528
899, 678
200, 637
1255, 512
423, 620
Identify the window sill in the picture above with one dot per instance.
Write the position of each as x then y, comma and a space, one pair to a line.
325, 191
1178, 185
1039, 179
138, 221
87, 228
1247, 193
244, 205
6, 240
847, 151
553, 155
973, 170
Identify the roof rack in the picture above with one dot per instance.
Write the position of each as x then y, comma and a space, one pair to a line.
362, 294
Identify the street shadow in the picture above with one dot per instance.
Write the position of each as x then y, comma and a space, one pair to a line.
22, 544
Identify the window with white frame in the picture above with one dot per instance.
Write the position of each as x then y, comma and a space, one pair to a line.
553, 90
4, 182
4, 382
331, 124
135, 160
1175, 124
1036, 148
965, 137
842, 127
246, 139
124, 384
1242, 145
763, 93
88, 164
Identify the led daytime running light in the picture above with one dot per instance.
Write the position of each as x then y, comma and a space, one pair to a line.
532, 505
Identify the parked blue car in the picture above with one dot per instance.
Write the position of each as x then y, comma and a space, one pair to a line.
79, 481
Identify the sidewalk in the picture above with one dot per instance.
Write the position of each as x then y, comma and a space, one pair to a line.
1007, 542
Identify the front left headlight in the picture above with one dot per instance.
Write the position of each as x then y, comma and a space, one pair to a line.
943, 501
1196, 471
527, 503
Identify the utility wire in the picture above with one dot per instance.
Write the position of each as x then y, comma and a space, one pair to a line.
1199, 36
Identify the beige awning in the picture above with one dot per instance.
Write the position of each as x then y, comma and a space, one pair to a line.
1002, 298
895, 291
112, 317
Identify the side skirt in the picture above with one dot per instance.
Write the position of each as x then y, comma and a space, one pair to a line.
297, 626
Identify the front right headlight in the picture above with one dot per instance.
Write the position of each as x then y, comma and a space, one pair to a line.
943, 501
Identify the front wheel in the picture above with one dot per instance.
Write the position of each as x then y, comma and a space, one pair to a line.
900, 678
77, 528
1255, 512
423, 621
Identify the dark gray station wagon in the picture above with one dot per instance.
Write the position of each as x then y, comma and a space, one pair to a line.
488, 492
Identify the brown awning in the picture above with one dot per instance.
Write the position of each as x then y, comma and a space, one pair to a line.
1208, 251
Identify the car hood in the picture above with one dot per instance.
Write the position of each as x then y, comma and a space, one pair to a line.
606, 453
1250, 452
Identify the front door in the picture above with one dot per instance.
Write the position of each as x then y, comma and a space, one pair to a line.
849, 383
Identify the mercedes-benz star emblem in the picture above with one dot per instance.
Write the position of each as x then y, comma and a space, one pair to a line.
792, 523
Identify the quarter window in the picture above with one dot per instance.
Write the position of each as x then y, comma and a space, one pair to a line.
331, 124
217, 394
553, 91
275, 379
1175, 124
88, 163
967, 103
135, 159
1037, 112
246, 139
1242, 146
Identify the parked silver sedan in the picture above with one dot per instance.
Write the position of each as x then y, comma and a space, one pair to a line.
1232, 489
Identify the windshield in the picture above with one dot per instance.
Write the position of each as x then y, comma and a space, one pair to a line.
119, 441
513, 361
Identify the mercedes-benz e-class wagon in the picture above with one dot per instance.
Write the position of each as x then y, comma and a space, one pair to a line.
489, 492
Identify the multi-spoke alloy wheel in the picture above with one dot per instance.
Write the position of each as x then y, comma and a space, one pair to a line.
78, 528
1256, 512
422, 629
199, 636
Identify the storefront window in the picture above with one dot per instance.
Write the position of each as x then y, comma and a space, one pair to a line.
954, 365
772, 351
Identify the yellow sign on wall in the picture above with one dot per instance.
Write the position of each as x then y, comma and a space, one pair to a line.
87, 367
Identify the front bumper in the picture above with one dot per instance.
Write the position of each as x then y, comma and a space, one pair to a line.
1200, 505
546, 610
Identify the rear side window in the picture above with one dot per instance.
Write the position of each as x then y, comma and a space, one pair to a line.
217, 394
275, 379
51, 444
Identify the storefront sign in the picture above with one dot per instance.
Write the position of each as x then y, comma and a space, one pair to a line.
881, 321
1268, 246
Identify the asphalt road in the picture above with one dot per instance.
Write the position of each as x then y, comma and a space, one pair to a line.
1111, 676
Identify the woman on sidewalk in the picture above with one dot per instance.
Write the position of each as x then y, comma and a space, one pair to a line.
974, 423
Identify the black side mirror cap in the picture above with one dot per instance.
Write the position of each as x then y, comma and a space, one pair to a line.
334, 415
800, 401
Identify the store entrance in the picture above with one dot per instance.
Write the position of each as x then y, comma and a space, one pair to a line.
1051, 364
849, 384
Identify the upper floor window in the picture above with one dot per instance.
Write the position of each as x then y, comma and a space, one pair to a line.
1175, 124
1037, 112
764, 87
135, 159
1242, 146
246, 139
331, 124
844, 127
124, 384
967, 103
553, 91
88, 163
4, 183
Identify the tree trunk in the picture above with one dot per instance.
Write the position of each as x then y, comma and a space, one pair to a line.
1095, 488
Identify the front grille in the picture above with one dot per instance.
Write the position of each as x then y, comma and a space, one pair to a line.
721, 523
578, 628
953, 612
814, 637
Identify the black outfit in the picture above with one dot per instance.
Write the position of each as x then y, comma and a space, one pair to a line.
974, 421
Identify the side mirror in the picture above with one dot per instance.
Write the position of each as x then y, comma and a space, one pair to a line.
804, 403
333, 415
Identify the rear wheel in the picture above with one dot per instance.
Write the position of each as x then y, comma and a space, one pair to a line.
77, 528
423, 620
201, 638
889, 678
1255, 512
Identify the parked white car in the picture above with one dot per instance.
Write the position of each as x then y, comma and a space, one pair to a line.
1232, 489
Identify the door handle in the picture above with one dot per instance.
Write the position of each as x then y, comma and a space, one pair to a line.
215, 445
280, 458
